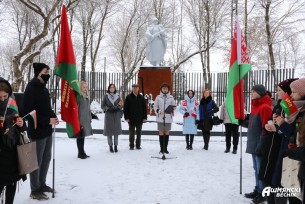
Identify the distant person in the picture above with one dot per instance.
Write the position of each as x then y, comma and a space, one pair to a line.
230, 128
135, 114
37, 97
207, 108
9, 139
164, 108
261, 112
189, 107
112, 105
84, 114
156, 39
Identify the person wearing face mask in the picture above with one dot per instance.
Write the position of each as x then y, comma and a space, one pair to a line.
9, 139
37, 97
164, 107
190, 109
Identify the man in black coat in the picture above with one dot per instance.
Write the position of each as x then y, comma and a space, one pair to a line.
135, 114
37, 97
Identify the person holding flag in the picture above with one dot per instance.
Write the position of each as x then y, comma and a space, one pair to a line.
37, 97
9, 139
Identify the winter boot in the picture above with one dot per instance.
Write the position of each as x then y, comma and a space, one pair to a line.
234, 151
161, 141
166, 138
116, 148
111, 149
252, 194
227, 150
259, 199
187, 139
191, 142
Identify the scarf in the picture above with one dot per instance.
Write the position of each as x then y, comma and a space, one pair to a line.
301, 108
194, 110
112, 97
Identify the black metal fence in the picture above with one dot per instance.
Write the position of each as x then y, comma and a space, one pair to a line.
98, 83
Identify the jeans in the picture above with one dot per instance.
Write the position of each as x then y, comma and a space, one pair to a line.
44, 154
256, 165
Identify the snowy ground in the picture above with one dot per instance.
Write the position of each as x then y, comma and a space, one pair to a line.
197, 176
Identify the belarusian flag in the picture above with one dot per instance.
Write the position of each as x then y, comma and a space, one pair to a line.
288, 106
34, 117
239, 67
12, 104
66, 69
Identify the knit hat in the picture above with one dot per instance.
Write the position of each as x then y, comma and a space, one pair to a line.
260, 89
135, 85
299, 86
38, 67
285, 85
165, 85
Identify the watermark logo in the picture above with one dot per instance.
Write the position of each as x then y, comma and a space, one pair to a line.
281, 192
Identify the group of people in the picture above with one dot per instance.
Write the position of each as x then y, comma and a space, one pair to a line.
275, 139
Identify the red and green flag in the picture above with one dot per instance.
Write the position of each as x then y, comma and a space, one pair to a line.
34, 117
288, 106
12, 104
66, 69
239, 67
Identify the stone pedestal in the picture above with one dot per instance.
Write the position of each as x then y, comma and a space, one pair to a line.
151, 78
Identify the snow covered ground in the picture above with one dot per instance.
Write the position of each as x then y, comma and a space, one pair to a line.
197, 176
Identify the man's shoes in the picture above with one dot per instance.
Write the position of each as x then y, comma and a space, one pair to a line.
251, 195
227, 150
259, 199
234, 151
47, 189
38, 195
131, 148
138, 148
83, 156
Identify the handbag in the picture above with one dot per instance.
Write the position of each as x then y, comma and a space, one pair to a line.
216, 120
27, 157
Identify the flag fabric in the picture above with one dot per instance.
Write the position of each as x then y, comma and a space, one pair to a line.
12, 104
239, 67
288, 106
34, 117
66, 69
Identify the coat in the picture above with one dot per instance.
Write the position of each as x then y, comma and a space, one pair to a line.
135, 108
84, 114
112, 122
207, 108
37, 97
189, 122
261, 112
161, 103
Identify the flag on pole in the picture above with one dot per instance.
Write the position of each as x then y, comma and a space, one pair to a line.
34, 117
12, 104
288, 106
239, 67
66, 69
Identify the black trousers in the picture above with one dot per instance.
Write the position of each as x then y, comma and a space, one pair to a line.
135, 128
9, 192
231, 130
206, 137
80, 145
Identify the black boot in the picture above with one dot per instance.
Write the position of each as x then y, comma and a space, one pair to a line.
205, 142
252, 194
111, 149
166, 138
161, 141
187, 139
116, 148
80, 146
191, 142
259, 199
227, 150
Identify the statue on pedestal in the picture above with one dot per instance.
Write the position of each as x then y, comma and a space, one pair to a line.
157, 44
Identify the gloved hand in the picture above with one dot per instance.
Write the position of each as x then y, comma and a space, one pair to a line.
197, 122
186, 114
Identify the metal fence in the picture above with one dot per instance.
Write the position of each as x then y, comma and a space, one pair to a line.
98, 83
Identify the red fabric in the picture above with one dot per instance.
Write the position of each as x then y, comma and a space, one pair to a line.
262, 107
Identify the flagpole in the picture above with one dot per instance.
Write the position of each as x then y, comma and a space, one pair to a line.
53, 136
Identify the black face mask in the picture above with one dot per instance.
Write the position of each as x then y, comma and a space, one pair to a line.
45, 77
3, 104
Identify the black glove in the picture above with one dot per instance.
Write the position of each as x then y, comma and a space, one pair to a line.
197, 122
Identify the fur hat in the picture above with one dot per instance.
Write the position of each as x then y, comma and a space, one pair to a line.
38, 67
299, 86
165, 85
285, 85
260, 89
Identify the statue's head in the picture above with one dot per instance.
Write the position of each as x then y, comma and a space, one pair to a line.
155, 21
